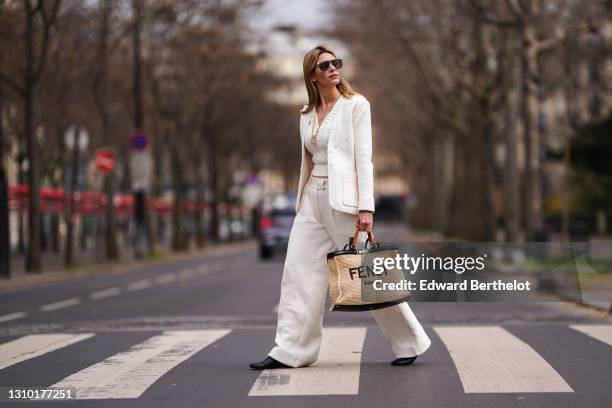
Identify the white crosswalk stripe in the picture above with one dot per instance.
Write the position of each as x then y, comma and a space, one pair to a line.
34, 345
335, 372
601, 332
490, 359
130, 373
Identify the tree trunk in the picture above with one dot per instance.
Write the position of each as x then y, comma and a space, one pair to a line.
442, 163
33, 263
178, 237
532, 199
5, 244
103, 97
512, 139
199, 187
214, 185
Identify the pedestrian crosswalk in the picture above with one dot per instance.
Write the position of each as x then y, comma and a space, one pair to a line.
601, 332
335, 372
27, 347
130, 373
490, 359
482, 359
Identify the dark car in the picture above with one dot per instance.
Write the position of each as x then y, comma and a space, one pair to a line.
392, 208
276, 215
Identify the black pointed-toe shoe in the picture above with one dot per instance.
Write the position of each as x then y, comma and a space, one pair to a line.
403, 361
268, 363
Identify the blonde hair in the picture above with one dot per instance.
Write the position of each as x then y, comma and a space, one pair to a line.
310, 64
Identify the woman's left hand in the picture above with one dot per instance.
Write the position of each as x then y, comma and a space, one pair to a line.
364, 221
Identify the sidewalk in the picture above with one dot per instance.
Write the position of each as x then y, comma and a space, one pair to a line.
54, 272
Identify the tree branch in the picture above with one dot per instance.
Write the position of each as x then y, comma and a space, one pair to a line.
501, 23
11, 84
488, 18
515, 9
47, 22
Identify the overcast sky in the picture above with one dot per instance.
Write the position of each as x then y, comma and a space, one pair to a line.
306, 13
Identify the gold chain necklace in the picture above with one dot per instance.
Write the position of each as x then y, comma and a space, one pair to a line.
313, 136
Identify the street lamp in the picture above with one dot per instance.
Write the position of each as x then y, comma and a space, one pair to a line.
77, 140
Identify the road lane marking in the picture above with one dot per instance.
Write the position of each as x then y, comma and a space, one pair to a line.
35, 345
601, 332
203, 269
60, 305
186, 273
335, 372
130, 373
101, 294
141, 284
489, 359
166, 278
12, 316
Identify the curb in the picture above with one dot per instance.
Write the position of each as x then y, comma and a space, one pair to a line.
586, 301
597, 304
34, 280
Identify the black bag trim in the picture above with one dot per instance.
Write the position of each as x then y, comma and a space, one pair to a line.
372, 306
367, 251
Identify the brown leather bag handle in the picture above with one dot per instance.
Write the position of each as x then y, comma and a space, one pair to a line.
371, 237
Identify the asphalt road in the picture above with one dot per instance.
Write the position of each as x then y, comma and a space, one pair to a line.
182, 335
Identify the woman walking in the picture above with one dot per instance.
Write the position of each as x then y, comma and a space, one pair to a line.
335, 196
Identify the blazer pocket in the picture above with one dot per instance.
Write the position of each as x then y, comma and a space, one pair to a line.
349, 188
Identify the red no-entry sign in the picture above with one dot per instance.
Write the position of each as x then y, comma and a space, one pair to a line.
105, 160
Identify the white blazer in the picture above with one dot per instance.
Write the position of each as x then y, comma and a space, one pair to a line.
349, 157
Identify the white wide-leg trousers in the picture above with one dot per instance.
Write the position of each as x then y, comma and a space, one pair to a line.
317, 230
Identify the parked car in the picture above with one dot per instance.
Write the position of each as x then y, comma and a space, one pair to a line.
276, 215
391, 208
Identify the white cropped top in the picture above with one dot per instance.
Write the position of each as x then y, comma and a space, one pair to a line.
319, 150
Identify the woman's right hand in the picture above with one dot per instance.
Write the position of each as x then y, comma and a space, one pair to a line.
364, 221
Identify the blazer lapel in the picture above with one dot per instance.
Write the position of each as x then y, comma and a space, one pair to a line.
304, 125
336, 121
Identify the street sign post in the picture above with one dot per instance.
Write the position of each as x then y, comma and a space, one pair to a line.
140, 164
105, 160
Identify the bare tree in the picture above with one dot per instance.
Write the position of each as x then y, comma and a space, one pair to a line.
39, 18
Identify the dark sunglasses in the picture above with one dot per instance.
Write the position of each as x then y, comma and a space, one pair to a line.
324, 66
